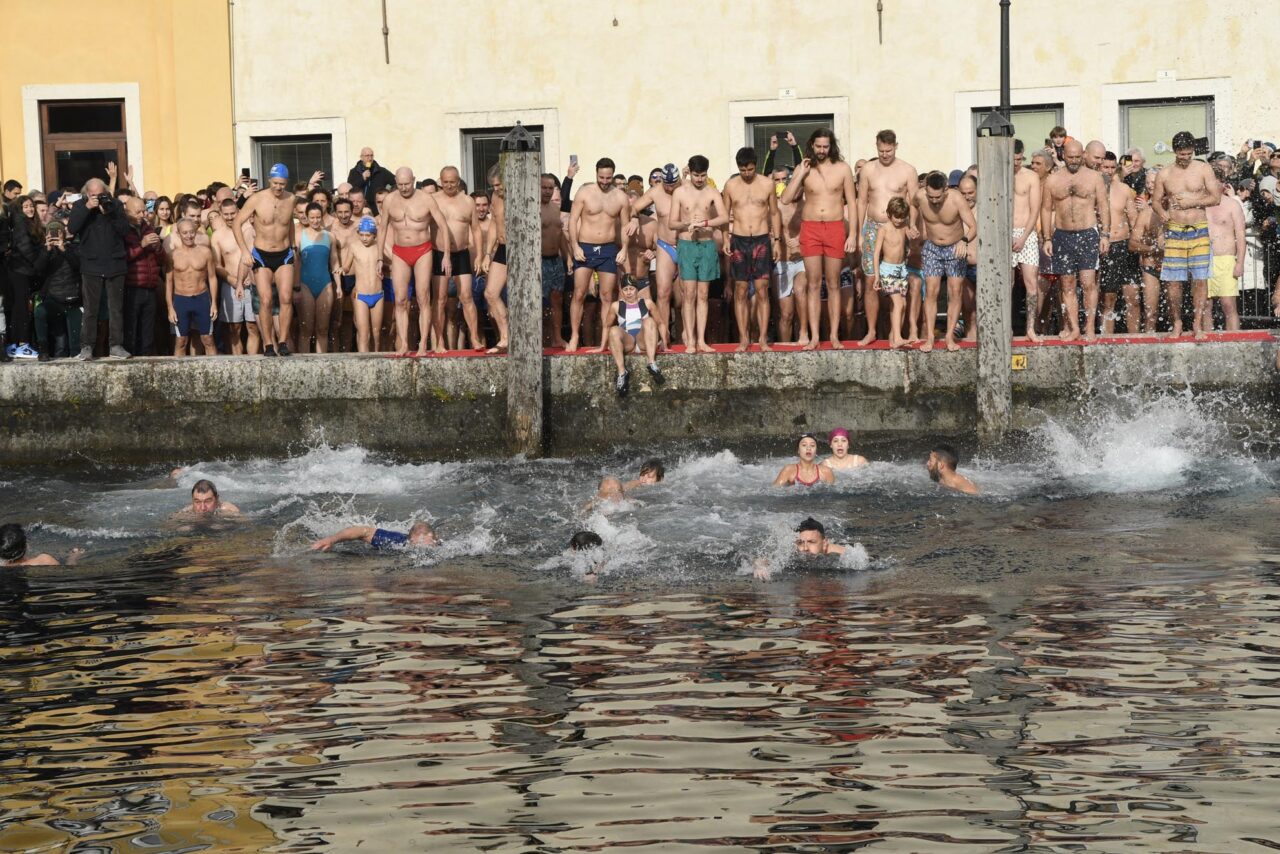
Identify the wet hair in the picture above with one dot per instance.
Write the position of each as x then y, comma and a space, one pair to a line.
827, 134
584, 540
811, 524
315, 206
13, 540
935, 181
698, 163
898, 207
203, 486
605, 163
745, 156
887, 137
1183, 140
947, 455
654, 465
1018, 147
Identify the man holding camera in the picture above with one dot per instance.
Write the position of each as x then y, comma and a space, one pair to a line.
99, 221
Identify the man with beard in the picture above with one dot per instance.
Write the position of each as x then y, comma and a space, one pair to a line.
1075, 204
1182, 192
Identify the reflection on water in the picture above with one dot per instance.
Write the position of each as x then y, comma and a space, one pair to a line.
1066, 664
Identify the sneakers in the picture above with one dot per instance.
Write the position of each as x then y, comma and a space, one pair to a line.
656, 374
624, 383
20, 352
269, 351
283, 349
958, 332
86, 354
118, 352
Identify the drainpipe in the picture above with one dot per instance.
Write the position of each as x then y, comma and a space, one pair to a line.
386, 34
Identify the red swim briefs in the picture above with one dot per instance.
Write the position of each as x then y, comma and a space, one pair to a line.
411, 254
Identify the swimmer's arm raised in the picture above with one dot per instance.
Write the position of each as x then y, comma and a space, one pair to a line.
346, 535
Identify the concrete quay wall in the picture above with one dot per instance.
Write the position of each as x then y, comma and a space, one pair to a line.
165, 409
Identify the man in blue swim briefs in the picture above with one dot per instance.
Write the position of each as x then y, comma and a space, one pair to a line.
380, 538
659, 196
271, 258
600, 212
190, 285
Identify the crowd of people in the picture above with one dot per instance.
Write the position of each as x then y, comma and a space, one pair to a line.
826, 250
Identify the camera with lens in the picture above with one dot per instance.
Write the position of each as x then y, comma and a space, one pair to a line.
104, 199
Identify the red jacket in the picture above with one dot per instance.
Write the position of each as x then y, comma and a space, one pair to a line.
145, 263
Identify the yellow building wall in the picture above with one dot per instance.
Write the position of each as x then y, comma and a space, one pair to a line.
177, 52
649, 81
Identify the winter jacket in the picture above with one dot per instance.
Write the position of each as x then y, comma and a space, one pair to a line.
60, 269
101, 234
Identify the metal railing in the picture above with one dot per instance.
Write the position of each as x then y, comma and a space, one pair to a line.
1255, 289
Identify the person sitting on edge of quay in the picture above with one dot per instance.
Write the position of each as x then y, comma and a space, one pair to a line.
941, 465
826, 211
840, 458
420, 534
634, 318
205, 501
13, 550
807, 471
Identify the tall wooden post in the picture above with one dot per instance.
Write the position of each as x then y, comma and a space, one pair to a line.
995, 285
521, 181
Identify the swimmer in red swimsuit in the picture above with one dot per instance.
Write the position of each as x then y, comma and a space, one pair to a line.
806, 472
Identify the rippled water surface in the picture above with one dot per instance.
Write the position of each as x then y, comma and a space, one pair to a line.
1085, 658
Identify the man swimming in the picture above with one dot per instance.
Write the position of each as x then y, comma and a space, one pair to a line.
651, 472
840, 457
941, 466
13, 550
420, 534
811, 541
206, 502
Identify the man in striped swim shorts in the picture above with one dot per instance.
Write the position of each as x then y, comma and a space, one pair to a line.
1182, 193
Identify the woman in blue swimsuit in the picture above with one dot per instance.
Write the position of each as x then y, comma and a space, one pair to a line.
319, 271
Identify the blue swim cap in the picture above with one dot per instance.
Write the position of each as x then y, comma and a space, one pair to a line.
670, 174
279, 171
367, 226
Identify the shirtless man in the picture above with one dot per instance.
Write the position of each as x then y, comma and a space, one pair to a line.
945, 215
755, 239
825, 182
600, 213
1182, 192
13, 549
343, 230
413, 217
189, 285
1119, 271
790, 266
459, 211
659, 196
1074, 205
555, 246
1226, 233
271, 213
878, 182
1026, 240
941, 465
811, 541
236, 305
206, 502
697, 211
494, 262
1094, 153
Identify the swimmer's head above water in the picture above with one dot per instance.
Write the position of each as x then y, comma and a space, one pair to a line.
807, 447
584, 540
652, 471
942, 459
204, 497
421, 534
838, 439
13, 543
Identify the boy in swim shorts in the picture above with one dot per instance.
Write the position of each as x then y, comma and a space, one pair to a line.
889, 259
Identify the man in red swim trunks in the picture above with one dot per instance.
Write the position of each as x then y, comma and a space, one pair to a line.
825, 182
414, 216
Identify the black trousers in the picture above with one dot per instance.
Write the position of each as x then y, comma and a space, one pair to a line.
93, 287
140, 321
17, 302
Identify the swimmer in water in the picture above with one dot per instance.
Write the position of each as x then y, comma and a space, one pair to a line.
840, 457
806, 472
613, 489
811, 541
583, 541
205, 502
381, 539
13, 550
941, 465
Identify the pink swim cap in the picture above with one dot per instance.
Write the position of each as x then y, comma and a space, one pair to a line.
839, 431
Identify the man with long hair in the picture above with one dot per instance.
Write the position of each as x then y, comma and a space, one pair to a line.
825, 182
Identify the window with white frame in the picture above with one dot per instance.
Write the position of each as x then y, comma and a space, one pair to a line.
481, 148
302, 154
1031, 124
1151, 124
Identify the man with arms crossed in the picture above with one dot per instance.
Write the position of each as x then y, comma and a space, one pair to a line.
697, 211
825, 182
659, 196
271, 258
1026, 241
459, 211
1074, 206
415, 216
1120, 270
190, 288
1226, 233
599, 214
1182, 193
878, 182
945, 215
755, 231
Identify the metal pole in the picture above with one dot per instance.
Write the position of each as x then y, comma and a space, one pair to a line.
521, 180
1005, 106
